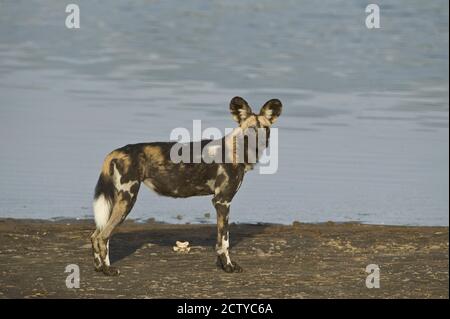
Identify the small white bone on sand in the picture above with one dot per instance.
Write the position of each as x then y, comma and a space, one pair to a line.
182, 247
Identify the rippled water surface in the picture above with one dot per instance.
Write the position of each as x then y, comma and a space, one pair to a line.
363, 134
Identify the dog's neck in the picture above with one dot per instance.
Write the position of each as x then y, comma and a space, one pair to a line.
236, 150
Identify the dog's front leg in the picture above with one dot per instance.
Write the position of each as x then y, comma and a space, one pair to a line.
223, 237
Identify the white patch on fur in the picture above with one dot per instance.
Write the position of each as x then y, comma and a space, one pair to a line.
107, 255
224, 248
226, 243
210, 183
221, 172
122, 187
102, 210
224, 203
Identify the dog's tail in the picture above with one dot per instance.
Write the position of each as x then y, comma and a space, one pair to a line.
104, 198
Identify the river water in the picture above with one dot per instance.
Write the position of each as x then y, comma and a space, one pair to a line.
363, 135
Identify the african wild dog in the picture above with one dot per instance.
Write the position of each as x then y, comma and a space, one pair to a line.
124, 169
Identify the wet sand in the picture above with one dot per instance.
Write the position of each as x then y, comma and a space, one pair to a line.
298, 261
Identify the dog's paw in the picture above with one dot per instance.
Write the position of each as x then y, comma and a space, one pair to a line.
233, 267
228, 267
110, 271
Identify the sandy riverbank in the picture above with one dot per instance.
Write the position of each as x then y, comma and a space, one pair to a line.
299, 261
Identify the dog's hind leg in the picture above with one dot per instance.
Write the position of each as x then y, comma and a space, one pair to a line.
105, 194
122, 206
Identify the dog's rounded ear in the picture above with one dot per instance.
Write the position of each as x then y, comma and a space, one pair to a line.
239, 108
271, 110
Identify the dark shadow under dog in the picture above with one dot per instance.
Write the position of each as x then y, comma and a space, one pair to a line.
127, 243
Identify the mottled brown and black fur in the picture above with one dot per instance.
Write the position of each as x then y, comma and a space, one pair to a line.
126, 168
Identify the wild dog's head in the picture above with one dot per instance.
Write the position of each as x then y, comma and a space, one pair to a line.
252, 124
